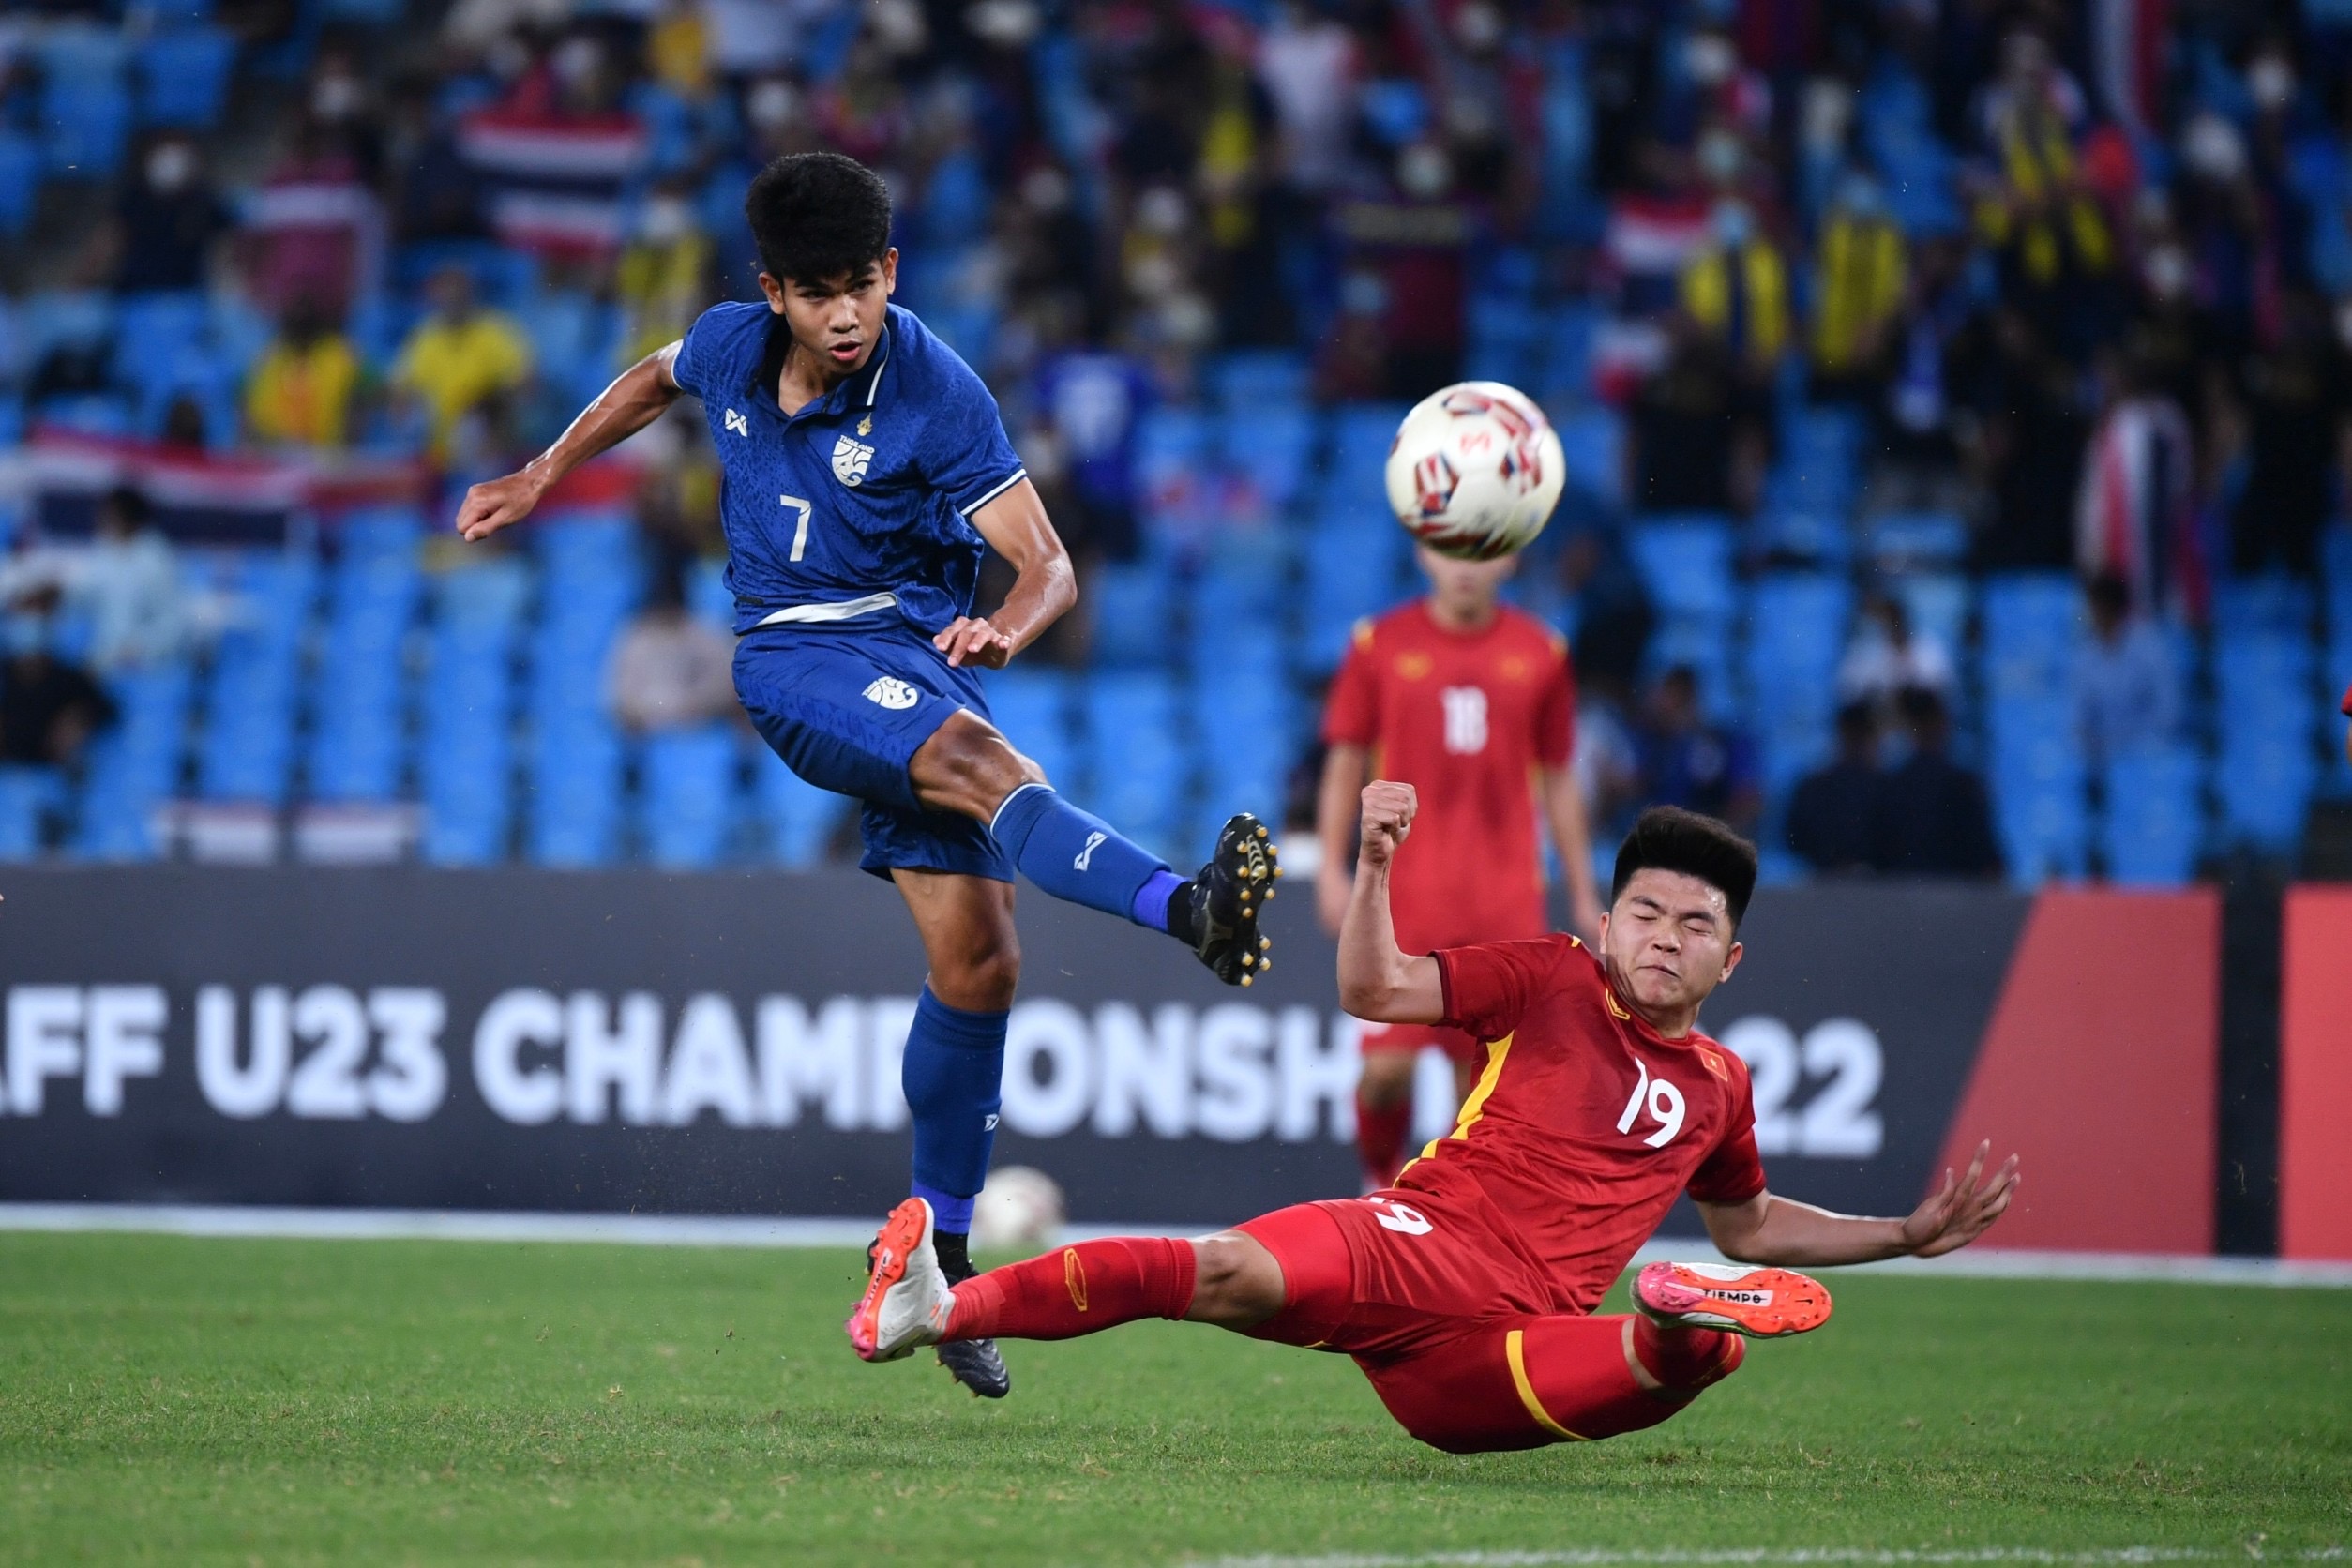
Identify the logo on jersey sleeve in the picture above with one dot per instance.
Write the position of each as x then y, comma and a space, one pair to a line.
890, 692
851, 457
738, 424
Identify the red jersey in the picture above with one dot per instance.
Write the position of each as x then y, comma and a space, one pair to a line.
1467, 718
1586, 1122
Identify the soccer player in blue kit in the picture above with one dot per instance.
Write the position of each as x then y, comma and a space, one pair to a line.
863, 467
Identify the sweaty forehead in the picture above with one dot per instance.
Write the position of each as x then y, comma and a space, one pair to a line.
1679, 893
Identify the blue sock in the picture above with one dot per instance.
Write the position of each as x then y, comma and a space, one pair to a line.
953, 1074
1075, 855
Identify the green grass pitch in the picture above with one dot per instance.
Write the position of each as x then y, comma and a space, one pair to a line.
277, 1402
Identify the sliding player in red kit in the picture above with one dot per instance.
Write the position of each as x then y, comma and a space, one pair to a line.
1473, 704
1466, 1291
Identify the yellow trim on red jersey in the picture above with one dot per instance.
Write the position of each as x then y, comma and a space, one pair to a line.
1475, 1106
1514, 1353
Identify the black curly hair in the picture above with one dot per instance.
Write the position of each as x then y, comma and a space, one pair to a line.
817, 216
1668, 838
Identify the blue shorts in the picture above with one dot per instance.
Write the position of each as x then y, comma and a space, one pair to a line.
847, 708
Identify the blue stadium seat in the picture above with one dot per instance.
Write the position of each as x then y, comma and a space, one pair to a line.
20, 181
246, 748
1355, 566
1134, 614
1174, 460
2266, 781
82, 54
28, 796
1937, 602
135, 766
576, 792
1135, 767
799, 818
1564, 368
1267, 450
2154, 823
2031, 624
2037, 780
1258, 379
687, 794
1031, 706
184, 76
85, 126
1592, 442
1241, 730
359, 702
1909, 541
465, 763
1796, 633
1507, 340
1685, 562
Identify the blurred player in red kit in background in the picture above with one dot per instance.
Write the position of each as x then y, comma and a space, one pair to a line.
1473, 704
2347, 713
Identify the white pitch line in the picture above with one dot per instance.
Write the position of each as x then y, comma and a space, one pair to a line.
743, 1231
1799, 1556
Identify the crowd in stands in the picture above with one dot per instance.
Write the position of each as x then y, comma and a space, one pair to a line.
1958, 393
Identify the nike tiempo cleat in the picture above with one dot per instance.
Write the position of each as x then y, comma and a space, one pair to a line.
977, 1366
1761, 1303
907, 1299
1226, 895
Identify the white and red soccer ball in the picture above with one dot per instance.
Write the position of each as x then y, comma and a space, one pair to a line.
1475, 470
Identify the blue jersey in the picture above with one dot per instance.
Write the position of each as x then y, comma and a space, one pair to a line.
867, 491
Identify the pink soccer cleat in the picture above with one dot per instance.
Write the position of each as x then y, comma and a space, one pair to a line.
1761, 1303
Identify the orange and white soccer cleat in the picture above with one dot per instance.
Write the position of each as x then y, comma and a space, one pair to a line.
1761, 1303
907, 1298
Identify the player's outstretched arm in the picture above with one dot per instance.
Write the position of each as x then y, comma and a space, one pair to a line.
1778, 1231
639, 397
1378, 980
1045, 586
1346, 766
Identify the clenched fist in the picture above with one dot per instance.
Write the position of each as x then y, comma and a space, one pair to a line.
1388, 816
496, 504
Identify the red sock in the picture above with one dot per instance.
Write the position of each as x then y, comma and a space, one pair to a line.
1686, 1358
1078, 1289
1380, 1139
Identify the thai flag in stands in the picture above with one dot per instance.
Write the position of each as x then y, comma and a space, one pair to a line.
2127, 48
556, 181
1648, 240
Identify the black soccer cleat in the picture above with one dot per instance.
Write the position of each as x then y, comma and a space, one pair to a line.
977, 1366
1224, 901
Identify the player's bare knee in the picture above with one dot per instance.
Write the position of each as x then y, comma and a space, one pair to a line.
1237, 1283
968, 768
1387, 1079
981, 976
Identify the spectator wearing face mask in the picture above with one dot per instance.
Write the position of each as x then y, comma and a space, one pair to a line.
168, 220
660, 277
49, 708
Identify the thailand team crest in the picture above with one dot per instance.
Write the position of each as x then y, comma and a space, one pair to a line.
850, 457
890, 692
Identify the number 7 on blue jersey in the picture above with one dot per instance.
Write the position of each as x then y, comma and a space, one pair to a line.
800, 533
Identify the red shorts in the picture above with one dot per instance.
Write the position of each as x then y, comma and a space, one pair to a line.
1457, 1333
1460, 1046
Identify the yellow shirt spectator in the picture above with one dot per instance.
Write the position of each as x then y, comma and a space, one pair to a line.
1739, 292
455, 361
1857, 287
301, 391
